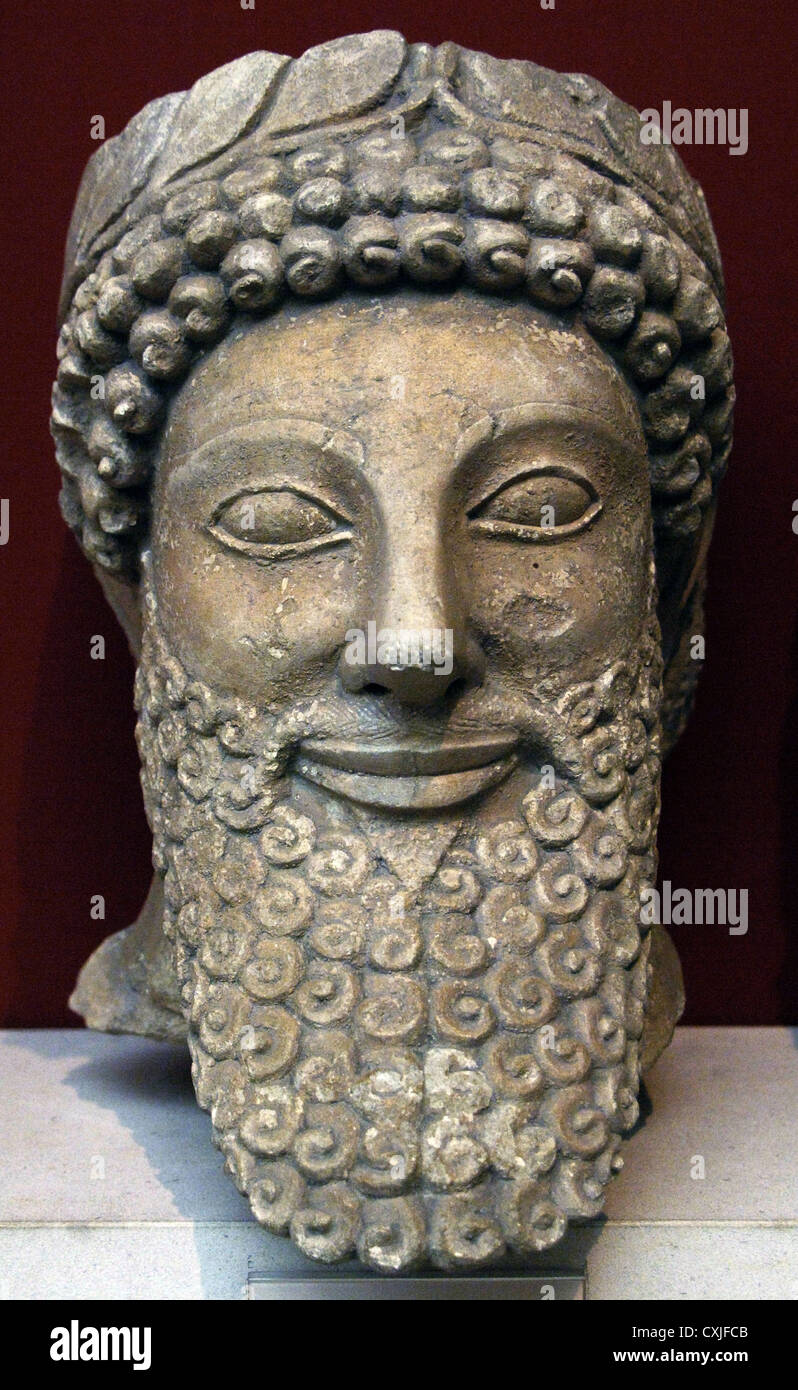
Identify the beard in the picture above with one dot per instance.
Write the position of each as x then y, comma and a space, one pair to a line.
417, 1036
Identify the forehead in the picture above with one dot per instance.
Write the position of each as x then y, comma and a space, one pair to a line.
403, 361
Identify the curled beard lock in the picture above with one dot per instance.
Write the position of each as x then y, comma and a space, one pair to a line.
434, 1070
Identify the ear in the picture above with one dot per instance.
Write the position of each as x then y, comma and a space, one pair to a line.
681, 578
124, 599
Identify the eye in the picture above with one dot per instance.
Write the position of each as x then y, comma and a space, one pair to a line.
278, 523
542, 506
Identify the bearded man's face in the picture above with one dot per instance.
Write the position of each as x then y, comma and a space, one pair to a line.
399, 724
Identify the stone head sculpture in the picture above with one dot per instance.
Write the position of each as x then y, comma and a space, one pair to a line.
392, 400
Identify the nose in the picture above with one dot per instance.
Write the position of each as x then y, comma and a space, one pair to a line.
416, 645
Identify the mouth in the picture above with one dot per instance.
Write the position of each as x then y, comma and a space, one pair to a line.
409, 774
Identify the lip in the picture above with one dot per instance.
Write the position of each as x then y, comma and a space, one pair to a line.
409, 774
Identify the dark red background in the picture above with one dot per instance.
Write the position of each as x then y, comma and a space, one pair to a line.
72, 824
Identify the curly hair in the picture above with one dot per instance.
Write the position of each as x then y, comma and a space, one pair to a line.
400, 164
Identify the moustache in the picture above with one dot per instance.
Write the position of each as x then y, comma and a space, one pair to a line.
537, 728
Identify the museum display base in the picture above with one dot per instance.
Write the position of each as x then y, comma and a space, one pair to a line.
111, 1187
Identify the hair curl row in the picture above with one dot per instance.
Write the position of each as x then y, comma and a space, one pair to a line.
446, 209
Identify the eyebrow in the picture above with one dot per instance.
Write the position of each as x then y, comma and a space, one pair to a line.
342, 445
517, 419
335, 442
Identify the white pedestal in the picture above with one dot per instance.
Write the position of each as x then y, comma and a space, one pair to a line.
110, 1186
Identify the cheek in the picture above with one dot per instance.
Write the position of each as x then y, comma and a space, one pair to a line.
265, 633
570, 606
